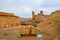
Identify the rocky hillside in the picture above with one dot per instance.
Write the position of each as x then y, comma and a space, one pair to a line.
51, 25
8, 20
6, 14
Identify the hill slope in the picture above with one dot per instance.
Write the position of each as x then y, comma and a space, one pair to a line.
51, 25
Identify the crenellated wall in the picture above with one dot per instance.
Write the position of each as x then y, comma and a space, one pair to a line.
37, 17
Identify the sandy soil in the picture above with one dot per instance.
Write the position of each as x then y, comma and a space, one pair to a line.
13, 33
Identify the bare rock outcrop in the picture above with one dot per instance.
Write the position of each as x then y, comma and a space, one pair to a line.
8, 20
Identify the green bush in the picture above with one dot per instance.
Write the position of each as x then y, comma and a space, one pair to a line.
35, 21
49, 22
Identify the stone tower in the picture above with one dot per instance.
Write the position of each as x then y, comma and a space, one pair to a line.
33, 14
41, 13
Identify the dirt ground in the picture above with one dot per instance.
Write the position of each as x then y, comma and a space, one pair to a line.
13, 33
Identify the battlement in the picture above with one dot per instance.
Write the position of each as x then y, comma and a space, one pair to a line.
36, 16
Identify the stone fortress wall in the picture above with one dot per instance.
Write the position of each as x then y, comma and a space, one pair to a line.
37, 17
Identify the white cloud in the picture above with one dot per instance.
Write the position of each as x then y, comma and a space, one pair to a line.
24, 9
8, 9
33, 2
7, 6
47, 11
25, 6
37, 2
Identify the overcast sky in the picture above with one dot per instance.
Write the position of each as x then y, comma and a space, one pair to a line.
23, 8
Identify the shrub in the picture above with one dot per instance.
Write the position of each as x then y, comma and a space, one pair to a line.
35, 21
49, 22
